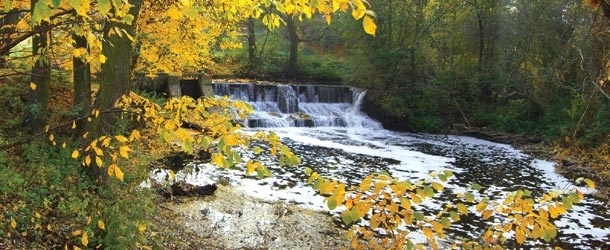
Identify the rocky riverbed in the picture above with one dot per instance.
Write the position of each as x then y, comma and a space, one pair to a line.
230, 219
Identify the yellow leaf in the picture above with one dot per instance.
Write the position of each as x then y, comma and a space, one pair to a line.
124, 152
13, 223
438, 228
121, 138
589, 182
482, 205
98, 151
519, 236
172, 175
405, 203
48, 227
75, 154
111, 169
357, 14
76, 248
135, 135
51, 137
174, 13
141, 228
101, 225
37, 215
84, 239
88, 219
88, 160
437, 186
462, 208
553, 211
427, 232
32, 86
102, 58
63, 145
119, 173
76, 233
486, 214
98, 161
415, 198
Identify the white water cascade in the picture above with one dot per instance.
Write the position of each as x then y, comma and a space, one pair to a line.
278, 106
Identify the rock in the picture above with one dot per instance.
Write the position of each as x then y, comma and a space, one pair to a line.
190, 190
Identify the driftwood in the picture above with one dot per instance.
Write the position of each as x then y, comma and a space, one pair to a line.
188, 190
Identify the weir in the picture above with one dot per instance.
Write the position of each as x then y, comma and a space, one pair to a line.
299, 105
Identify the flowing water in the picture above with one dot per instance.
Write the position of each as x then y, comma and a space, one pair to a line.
325, 128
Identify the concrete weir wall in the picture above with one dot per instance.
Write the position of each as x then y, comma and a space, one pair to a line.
193, 85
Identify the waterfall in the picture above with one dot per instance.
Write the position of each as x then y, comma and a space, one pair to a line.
300, 105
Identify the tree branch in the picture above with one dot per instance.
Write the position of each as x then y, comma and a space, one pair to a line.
56, 127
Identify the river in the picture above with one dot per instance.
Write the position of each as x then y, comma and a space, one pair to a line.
325, 128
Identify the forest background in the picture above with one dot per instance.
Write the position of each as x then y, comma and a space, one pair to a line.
523, 67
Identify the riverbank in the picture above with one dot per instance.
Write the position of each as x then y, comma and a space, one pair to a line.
230, 219
572, 163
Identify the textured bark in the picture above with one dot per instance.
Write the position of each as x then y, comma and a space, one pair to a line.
291, 68
38, 98
252, 59
82, 80
115, 77
7, 22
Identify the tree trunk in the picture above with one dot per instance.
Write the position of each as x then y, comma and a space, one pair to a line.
291, 68
115, 77
252, 59
481, 40
7, 24
38, 99
82, 80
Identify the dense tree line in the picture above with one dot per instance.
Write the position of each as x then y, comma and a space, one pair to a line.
515, 66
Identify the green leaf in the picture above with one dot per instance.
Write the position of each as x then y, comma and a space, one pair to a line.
316, 184
308, 171
574, 198
454, 216
442, 177
448, 173
257, 150
221, 145
469, 197
42, 12
476, 186
127, 19
205, 142
445, 222
188, 146
429, 192
331, 203
346, 216
7, 5
104, 6
418, 216
566, 202
190, 12
383, 172
117, 3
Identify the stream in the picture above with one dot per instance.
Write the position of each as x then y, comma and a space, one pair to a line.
325, 128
